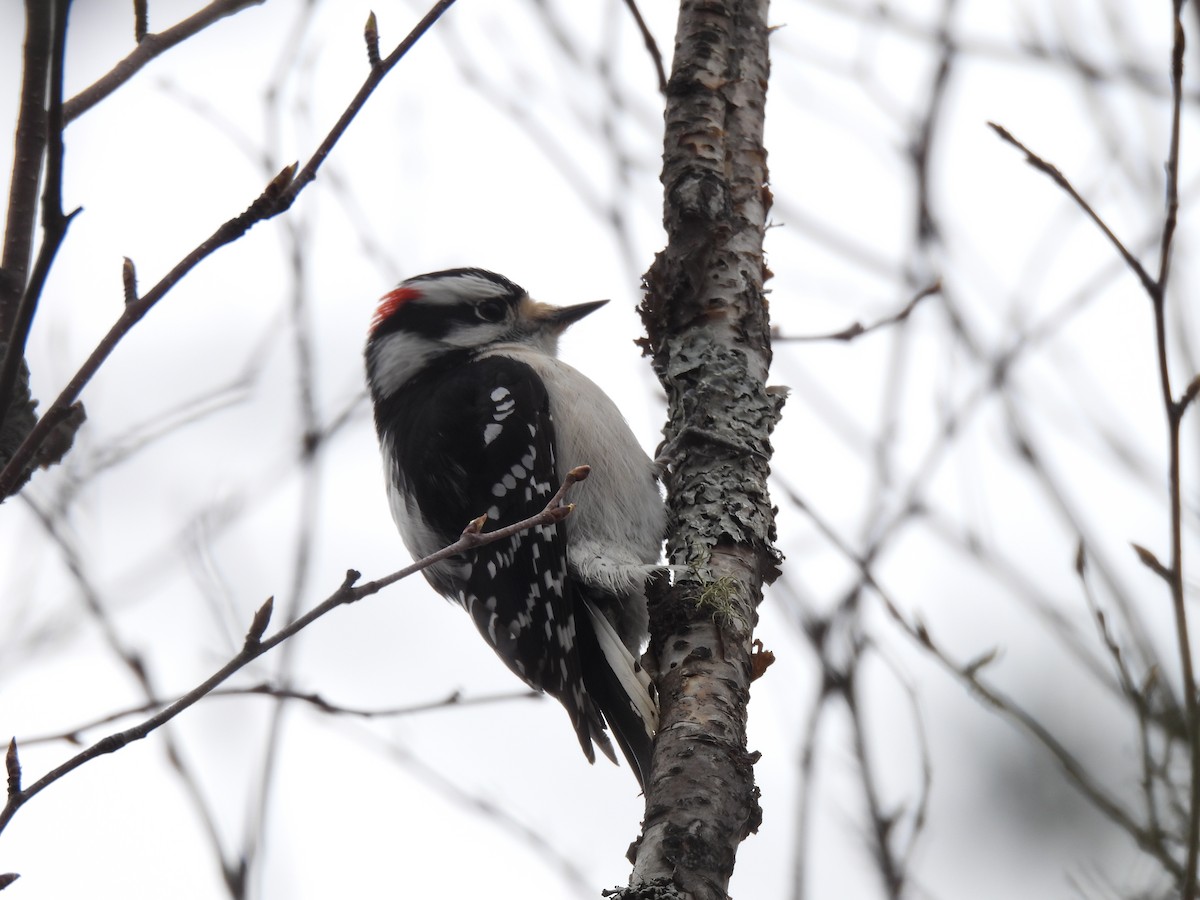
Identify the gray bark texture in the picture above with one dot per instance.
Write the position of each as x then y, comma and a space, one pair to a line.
708, 331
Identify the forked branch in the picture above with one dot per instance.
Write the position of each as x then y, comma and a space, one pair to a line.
1174, 409
276, 198
255, 645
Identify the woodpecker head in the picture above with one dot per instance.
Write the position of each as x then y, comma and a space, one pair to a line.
457, 310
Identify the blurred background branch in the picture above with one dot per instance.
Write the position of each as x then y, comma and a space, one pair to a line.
979, 689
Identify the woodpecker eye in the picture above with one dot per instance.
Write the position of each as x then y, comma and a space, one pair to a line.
490, 310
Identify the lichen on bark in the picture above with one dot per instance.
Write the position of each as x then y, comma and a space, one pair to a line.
708, 335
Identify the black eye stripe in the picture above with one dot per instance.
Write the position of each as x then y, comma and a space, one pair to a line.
435, 321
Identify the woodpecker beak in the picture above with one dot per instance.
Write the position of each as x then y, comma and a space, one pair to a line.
555, 319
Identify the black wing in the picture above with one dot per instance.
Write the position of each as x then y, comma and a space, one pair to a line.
516, 589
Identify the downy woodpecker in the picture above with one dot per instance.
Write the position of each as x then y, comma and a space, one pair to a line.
476, 415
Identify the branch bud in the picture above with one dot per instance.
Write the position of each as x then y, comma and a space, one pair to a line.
129, 277
13, 765
1150, 561
281, 182
141, 25
258, 626
371, 36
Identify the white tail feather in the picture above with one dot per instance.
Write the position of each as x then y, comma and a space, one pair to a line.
633, 678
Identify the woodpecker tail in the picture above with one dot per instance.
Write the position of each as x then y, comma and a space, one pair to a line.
618, 686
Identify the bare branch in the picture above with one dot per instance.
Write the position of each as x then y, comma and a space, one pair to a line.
346, 594
269, 689
1174, 409
141, 20
276, 198
1174, 414
1189, 395
29, 145
1172, 167
1061, 180
857, 329
651, 45
148, 47
1091, 787
54, 222
1095, 791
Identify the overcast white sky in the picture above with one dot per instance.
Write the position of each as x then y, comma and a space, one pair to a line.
492, 146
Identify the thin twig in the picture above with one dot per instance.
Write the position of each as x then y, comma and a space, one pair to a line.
276, 198
806, 778
1156, 289
1172, 167
376, 75
891, 869
923, 142
254, 647
148, 47
29, 145
651, 45
858, 329
135, 664
54, 221
1070, 764
255, 835
454, 699
141, 20
483, 806
1129, 687
1076, 773
1061, 180
1174, 413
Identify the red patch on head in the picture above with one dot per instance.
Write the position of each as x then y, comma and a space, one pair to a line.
390, 302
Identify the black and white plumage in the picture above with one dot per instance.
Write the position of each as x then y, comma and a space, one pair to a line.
476, 415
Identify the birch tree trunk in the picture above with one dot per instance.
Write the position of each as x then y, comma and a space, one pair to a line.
708, 332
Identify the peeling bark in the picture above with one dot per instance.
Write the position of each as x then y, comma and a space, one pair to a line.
708, 333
